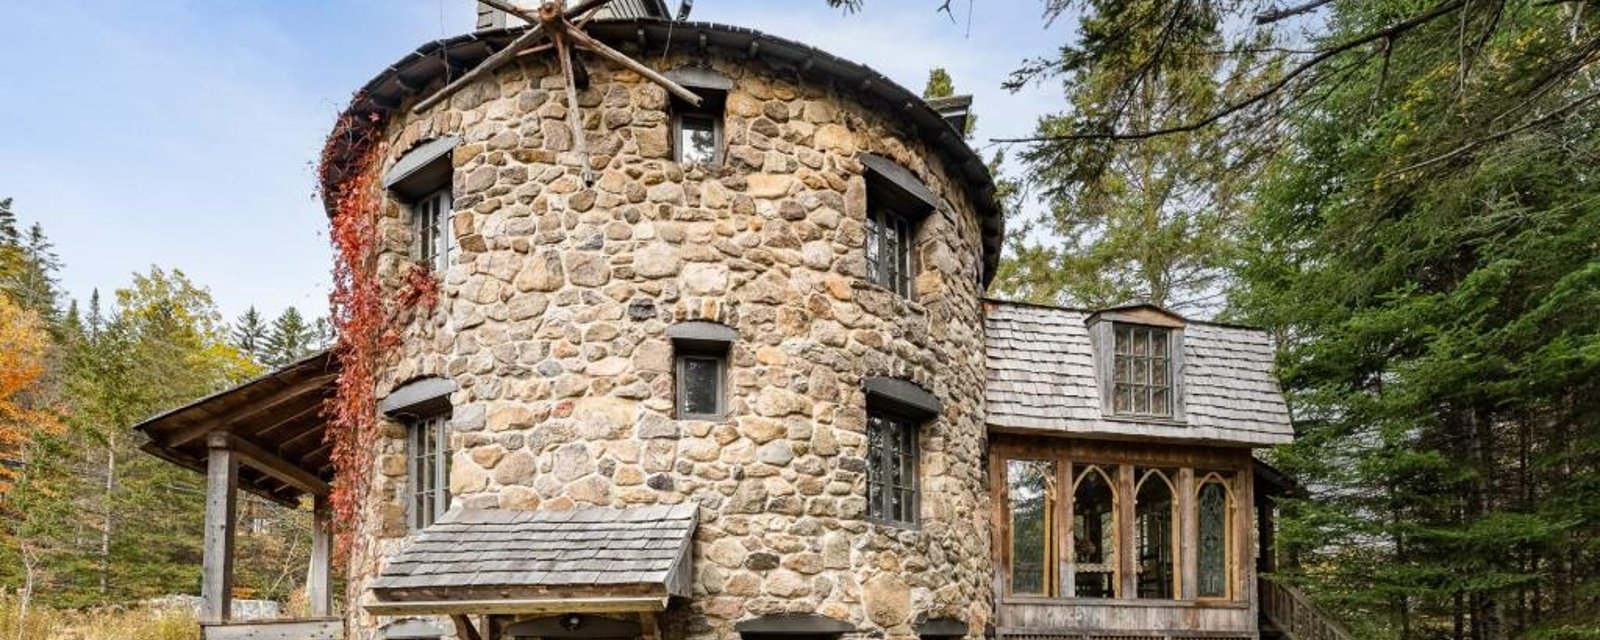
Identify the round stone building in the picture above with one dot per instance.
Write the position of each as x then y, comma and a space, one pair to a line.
752, 326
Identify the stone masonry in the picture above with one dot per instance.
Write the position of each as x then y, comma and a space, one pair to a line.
552, 316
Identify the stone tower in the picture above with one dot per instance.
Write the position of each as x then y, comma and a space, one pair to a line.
766, 307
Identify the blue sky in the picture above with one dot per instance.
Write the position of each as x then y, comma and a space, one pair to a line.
182, 133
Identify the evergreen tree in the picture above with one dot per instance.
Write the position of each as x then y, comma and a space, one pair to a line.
1436, 288
250, 335
289, 339
1138, 221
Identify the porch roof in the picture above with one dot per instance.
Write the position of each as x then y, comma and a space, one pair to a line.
502, 561
274, 423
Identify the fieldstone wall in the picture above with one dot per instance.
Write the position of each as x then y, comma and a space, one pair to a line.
552, 318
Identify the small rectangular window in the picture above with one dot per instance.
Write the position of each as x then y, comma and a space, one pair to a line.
429, 452
892, 482
700, 382
431, 219
1141, 373
697, 131
697, 139
889, 250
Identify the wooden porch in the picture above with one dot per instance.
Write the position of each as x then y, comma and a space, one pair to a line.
265, 437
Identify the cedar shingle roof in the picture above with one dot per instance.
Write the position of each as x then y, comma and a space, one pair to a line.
1041, 377
590, 547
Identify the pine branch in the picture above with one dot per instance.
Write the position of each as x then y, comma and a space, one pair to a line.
1554, 115
1387, 33
1269, 17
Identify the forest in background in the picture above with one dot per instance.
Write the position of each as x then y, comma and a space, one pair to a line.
85, 517
1404, 192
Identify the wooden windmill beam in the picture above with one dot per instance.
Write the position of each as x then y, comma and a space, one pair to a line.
489, 64
618, 57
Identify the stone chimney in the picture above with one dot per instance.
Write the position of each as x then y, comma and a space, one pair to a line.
954, 110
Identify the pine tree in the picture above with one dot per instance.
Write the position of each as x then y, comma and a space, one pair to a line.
250, 335
1137, 221
289, 339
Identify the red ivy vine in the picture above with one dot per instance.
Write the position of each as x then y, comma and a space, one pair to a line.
367, 323
348, 177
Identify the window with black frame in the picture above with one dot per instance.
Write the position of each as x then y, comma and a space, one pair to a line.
701, 377
428, 450
892, 483
889, 254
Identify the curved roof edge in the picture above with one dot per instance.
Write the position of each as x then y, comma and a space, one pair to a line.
409, 76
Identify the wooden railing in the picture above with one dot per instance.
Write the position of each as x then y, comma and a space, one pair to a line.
1293, 614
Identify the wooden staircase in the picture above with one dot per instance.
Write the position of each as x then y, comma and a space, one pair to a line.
1286, 614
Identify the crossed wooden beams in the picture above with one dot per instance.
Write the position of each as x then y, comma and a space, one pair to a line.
552, 20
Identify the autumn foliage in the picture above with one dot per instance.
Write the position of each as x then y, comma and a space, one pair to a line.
23, 347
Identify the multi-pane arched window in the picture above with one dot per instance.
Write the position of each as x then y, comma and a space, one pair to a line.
1214, 521
1155, 533
1093, 570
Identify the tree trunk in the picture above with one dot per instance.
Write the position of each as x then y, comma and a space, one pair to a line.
105, 511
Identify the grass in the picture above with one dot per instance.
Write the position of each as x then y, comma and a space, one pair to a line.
105, 623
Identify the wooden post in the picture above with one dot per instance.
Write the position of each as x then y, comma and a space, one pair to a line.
1127, 555
1188, 534
222, 492
318, 584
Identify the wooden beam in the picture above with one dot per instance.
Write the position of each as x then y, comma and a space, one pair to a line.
512, 9
599, 604
272, 465
649, 626
289, 394
489, 64
574, 116
319, 581
620, 58
464, 628
222, 495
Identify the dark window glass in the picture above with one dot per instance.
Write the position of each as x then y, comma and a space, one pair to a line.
1093, 569
1031, 487
430, 469
891, 468
1212, 547
1141, 373
889, 250
700, 380
1154, 531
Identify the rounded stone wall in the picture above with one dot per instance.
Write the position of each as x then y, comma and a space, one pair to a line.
552, 319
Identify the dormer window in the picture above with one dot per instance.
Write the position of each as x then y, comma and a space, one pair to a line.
1139, 362
1141, 376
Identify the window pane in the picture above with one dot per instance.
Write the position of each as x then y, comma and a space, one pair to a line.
1153, 534
891, 468
1141, 378
700, 380
697, 142
1094, 534
1031, 486
1212, 547
874, 246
